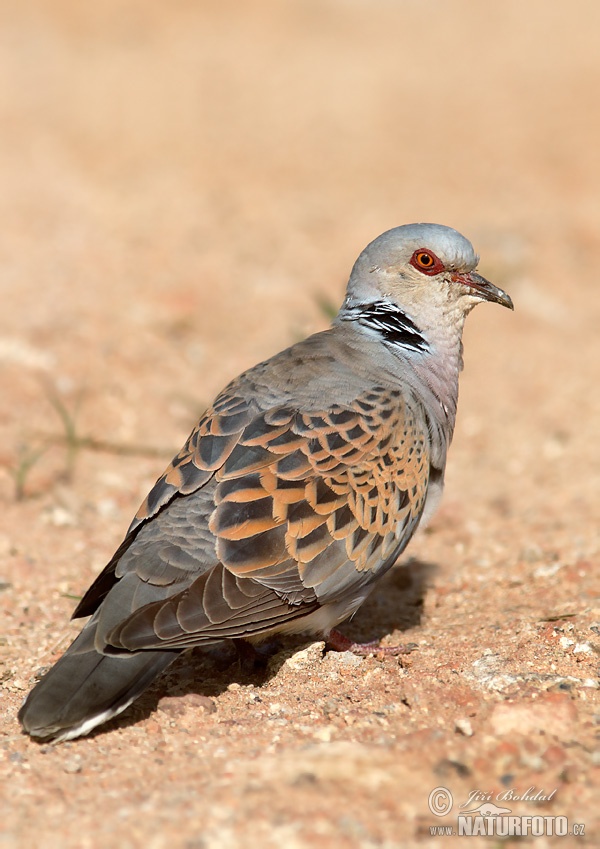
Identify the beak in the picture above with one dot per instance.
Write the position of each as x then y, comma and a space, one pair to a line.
484, 288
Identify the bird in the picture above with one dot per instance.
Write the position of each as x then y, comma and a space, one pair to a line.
297, 490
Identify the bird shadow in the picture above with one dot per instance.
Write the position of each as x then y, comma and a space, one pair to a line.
396, 604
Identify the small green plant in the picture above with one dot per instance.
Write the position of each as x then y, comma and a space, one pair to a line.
29, 453
72, 440
27, 457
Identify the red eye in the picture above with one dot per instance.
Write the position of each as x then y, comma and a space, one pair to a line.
426, 262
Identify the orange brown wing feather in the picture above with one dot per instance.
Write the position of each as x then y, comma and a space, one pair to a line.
307, 508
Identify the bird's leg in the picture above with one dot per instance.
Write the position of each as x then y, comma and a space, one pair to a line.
252, 657
336, 641
248, 656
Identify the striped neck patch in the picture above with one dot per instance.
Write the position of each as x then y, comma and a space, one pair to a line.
389, 322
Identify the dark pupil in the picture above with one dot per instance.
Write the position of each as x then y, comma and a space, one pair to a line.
425, 259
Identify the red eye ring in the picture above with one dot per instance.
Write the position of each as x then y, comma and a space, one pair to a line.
426, 262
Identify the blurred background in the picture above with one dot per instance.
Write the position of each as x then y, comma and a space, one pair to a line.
184, 187
210, 170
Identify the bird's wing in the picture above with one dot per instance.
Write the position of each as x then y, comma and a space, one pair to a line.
205, 450
265, 517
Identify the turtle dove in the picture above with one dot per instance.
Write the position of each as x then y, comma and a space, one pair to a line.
296, 491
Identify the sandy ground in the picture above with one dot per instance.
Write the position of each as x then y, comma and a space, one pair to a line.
184, 187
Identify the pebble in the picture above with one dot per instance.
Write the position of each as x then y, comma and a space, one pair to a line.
306, 657
72, 765
463, 726
554, 714
324, 735
178, 705
343, 658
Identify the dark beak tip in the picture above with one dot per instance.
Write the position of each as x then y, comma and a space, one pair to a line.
487, 291
493, 293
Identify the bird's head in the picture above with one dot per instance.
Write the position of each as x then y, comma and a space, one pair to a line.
425, 269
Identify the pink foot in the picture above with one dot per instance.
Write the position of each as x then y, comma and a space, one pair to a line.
336, 641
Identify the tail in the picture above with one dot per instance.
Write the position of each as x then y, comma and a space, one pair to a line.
86, 688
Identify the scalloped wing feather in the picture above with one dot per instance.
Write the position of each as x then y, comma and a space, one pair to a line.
304, 509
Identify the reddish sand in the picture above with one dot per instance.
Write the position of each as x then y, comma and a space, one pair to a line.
184, 189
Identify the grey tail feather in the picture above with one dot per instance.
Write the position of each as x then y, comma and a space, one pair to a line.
82, 690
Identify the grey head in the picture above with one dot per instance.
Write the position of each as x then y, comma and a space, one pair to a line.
427, 270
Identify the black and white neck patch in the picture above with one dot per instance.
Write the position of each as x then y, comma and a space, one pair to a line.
390, 322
